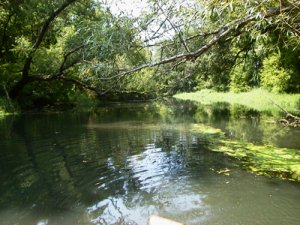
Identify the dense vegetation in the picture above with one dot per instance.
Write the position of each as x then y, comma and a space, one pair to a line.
63, 52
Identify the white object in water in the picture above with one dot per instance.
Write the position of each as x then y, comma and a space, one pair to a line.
157, 220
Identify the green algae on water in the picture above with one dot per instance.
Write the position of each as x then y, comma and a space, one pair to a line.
259, 159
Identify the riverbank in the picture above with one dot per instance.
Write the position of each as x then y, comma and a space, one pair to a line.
258, 99
261, 159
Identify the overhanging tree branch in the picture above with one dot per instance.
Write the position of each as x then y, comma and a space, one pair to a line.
219, 34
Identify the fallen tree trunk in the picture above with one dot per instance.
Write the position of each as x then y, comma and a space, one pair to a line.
290, 120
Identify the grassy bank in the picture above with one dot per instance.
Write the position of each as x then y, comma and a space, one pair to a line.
260, 159
257, 99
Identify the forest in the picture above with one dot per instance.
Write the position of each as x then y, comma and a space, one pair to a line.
66, 52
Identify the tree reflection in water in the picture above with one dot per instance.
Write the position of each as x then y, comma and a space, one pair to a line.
118, 165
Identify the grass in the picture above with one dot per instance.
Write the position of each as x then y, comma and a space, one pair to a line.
257, 99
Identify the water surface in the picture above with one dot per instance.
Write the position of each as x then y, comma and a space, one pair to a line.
122, 163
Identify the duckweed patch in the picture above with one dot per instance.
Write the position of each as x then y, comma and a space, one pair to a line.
259, 159
208, 132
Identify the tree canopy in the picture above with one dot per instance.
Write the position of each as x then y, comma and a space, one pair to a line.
54, 51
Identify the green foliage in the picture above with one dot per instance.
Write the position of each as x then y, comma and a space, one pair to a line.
82, 100
47, 60
238, 78
214, 67
143, 81
8, 107
9, 72
39, 95
244, 75
274, 76
291, 61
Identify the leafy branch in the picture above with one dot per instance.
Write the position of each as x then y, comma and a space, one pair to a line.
220, 33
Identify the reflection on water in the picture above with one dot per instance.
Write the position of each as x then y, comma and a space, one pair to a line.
120, 164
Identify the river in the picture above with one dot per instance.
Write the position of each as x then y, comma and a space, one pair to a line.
121, 163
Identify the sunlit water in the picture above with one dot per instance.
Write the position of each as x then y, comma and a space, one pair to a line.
121, 164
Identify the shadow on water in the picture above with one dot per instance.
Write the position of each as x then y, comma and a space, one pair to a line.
122, 163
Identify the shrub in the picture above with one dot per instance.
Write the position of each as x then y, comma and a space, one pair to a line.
274, 76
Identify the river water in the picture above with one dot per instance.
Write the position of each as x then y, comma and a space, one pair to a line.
120, 164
